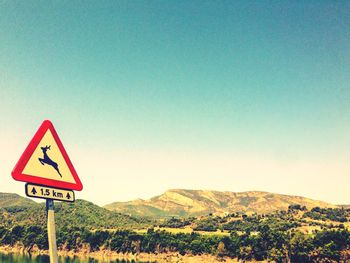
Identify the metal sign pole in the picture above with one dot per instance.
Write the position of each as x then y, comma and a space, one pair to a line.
51, 231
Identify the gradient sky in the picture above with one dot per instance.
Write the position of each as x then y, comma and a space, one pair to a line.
152, 95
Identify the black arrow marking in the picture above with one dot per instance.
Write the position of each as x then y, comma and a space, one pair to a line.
33, 191
68, 195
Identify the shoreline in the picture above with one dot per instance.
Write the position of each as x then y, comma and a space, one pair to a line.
107, 255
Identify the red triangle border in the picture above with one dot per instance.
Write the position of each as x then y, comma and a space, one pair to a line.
17, 172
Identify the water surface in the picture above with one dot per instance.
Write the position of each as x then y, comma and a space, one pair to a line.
17, 258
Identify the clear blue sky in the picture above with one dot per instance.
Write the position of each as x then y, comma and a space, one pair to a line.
225, 95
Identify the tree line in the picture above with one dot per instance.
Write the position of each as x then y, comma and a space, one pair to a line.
267, 244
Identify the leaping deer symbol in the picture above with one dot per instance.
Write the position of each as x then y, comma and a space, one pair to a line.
48, 160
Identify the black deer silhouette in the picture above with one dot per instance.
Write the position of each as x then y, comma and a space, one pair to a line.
48, 160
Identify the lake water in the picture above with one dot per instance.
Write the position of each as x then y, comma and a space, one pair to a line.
16, 258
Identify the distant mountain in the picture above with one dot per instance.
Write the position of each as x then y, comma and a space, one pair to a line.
15, 209
181, 203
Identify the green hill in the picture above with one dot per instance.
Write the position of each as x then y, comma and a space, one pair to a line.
182, 203
23, 211
11, 200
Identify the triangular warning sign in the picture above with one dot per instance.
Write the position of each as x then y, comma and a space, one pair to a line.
45, 161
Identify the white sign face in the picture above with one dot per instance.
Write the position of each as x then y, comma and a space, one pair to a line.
39, 191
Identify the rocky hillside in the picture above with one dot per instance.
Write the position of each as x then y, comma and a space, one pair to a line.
180, 202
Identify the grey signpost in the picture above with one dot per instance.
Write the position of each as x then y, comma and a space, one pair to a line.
51, 231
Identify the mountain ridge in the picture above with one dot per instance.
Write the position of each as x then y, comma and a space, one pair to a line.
188, 202
185, 203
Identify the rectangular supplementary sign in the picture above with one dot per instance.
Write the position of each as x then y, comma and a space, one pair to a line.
45, 192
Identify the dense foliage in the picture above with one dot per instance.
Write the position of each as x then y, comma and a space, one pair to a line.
333, 214
81, 213
177, 222
295, 235
326, 246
